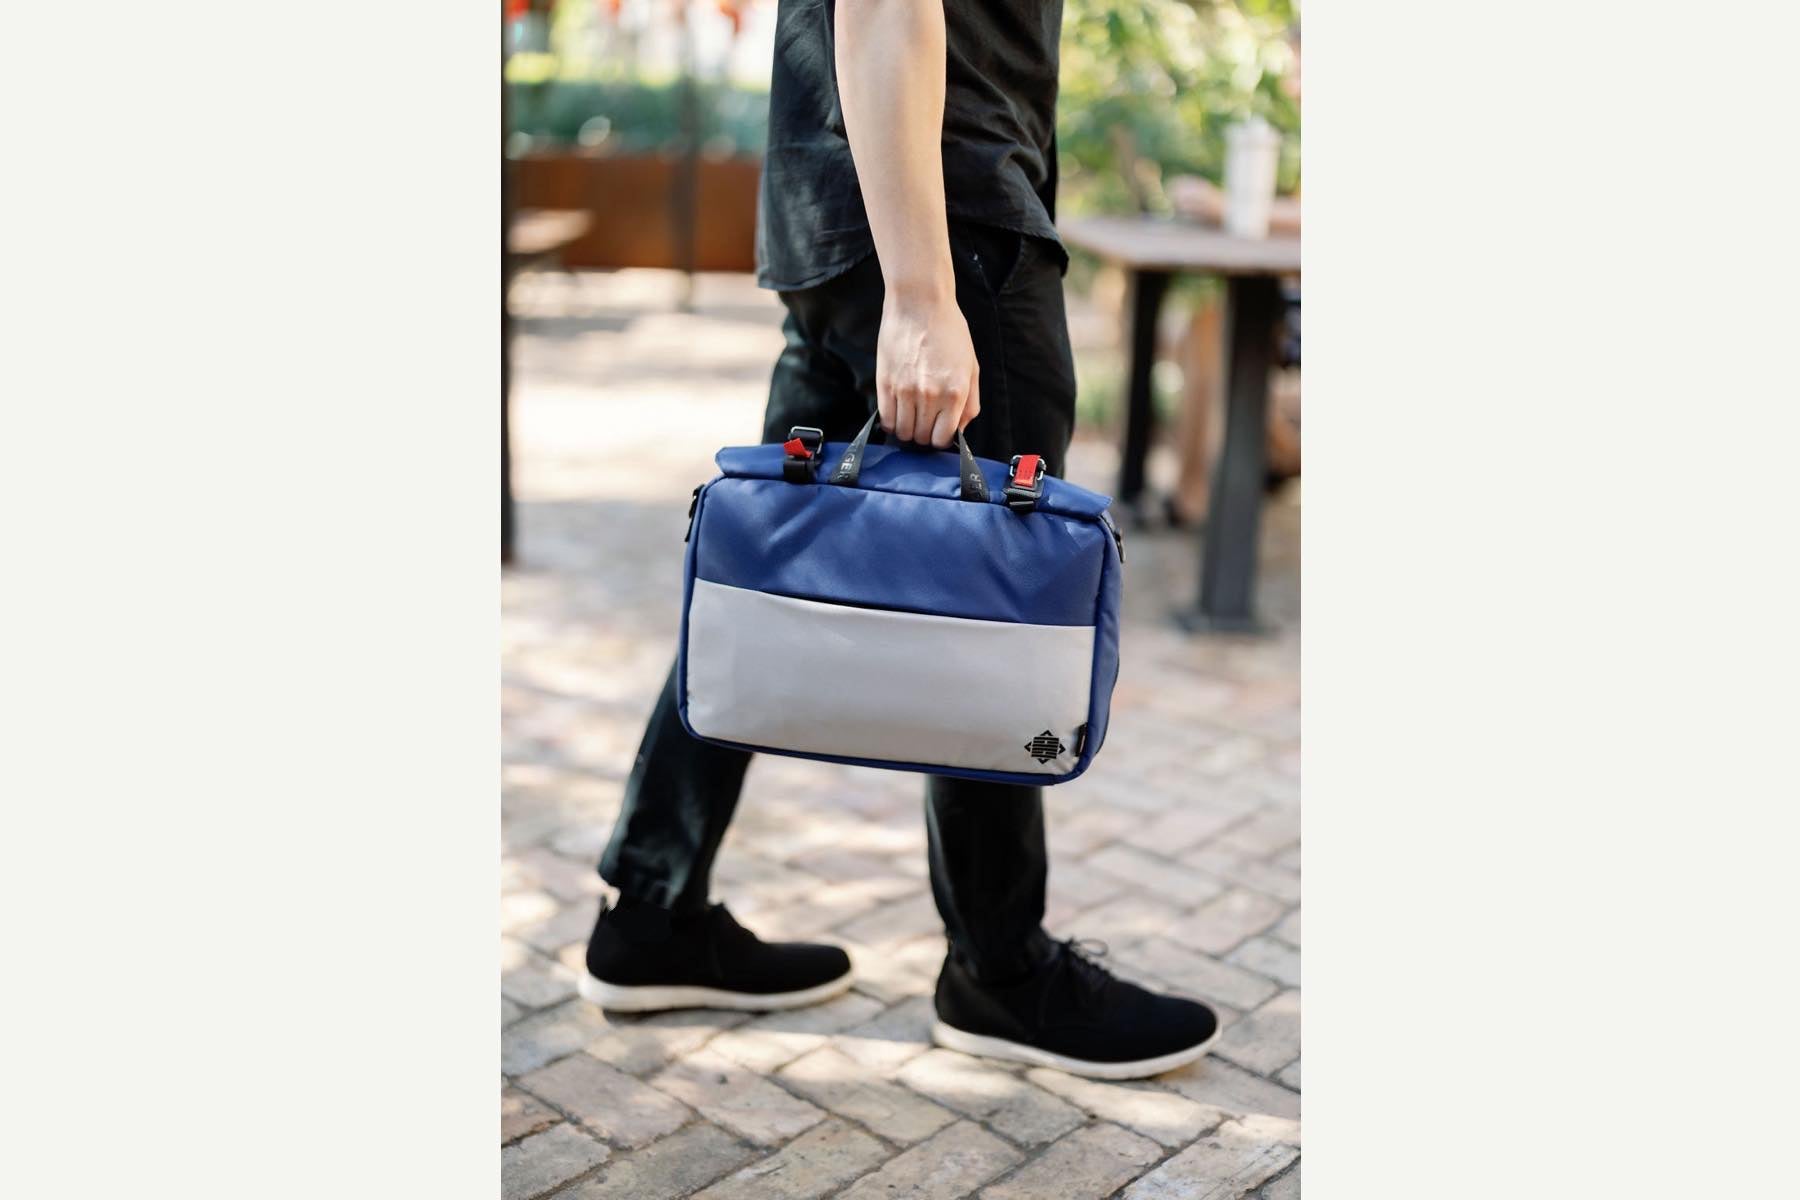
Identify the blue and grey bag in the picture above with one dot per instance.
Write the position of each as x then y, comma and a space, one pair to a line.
894, 607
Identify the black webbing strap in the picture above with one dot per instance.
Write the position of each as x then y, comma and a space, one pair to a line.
849, 468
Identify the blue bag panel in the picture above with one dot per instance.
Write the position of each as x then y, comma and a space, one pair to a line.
910, 471
852, 546
1106, 656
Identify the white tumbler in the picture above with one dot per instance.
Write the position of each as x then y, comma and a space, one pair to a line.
1252, 152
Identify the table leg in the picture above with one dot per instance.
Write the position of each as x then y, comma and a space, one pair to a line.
507, 204
1234, 510
507, 518
1147, 291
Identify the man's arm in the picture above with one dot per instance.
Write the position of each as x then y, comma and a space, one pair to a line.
890, 71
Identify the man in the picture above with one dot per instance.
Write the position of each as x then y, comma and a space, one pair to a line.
906, 222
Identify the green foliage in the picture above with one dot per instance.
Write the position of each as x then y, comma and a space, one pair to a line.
638, 117
1149, 86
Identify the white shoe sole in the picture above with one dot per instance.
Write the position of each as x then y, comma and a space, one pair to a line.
657, 999
952, 1038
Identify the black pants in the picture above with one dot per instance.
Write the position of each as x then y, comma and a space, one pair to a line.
987, 854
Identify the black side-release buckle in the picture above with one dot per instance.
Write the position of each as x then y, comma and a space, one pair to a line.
1024, 483
803, 446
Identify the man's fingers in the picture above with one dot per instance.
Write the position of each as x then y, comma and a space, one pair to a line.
945, 416
904, 413
944, 428
972, 408
884, 404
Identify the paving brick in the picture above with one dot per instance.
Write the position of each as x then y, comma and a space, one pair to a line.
1231, 1090
1231, 756
837, 1082
538, 983
1125, 787
1088, 830
1175, 831
899, 921
1261, 1127
1003, 1100
822, 1159
893, 973
743, 875
520, 909
1265, 832
1285, 1188
563, 878
878, 877
1060, 913
898, 1034
953, 1162
818, 825
1226, 920
509, 1012
514, 954
808, 917
514, 879
671, 1167
1290, 1075
570, 925
1177, 776
582, 843
640, 1045
548, 1035
909, 863
1289, 929
545, 1160
1265, 1040
1268, 957
1264, 877
777, 1038
1196, 974
1089, 1164
620, 1109
1155, 875
573, 958
1217, 1167
1129, 917
739, 1099
522, 1115
1166, 1117
1081, 886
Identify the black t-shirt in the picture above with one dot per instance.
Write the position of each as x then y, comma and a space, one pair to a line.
999, 136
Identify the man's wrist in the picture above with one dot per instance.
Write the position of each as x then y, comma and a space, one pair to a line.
923, 288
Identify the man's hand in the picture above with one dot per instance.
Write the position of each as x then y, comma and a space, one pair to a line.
890, 70
927, 382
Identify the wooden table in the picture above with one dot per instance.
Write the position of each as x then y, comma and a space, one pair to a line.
530, 236
539, 233
1153, 250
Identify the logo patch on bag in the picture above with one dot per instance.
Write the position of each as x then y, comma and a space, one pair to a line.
1044, 747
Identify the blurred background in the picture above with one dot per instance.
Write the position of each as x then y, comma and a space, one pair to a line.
634, 130
636, 345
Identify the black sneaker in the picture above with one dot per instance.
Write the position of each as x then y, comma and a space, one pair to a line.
1074, 1015
643, 959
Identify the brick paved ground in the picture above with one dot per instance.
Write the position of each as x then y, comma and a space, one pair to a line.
1180, 849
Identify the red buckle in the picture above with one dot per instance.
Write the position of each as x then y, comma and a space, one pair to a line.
796, 448
1025, 470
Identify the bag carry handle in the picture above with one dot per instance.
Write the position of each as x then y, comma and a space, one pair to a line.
849, 469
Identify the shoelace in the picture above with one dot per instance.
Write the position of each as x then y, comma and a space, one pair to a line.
1078, 956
